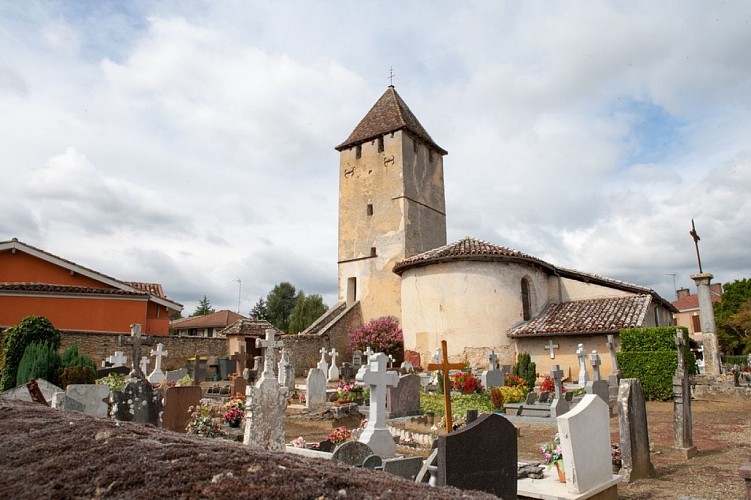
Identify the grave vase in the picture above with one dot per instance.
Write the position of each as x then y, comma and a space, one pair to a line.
561, 473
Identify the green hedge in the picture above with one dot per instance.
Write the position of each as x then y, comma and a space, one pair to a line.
735, 360
649, 354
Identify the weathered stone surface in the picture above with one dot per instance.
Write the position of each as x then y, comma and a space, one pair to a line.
634, 431
177, 401
62, 401
352, 453
404, 399
376, 434
480, 456
94, 397
21, 393
315, 387
406, 467
137, 403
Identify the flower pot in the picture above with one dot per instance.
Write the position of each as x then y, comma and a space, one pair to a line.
561, 473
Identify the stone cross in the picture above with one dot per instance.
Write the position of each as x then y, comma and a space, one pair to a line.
284, 362
376, 434
680, 343
271, 345
136, 341
613, 355
557, 375
333, 369
492, 360
241, 358
368, 353
551, 347
582, 355
682, 418
322, 364
445, 366
118, 359
144, 364
595, 361
158, 354
196, 370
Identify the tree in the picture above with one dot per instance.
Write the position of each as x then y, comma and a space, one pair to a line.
733, 317
17, 338
381, 334
279, 304
40, 360
204, 308
260, 310
307, 309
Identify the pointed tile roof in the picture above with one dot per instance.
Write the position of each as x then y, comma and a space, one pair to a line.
467, 249
388, 115
218, 319
596, 316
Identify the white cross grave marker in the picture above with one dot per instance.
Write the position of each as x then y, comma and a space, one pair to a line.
144, 364
118, 359
157, 376
368, 353
333, 369
376, 434
595, 361
270, 344
583, 375
322, 364
551, 347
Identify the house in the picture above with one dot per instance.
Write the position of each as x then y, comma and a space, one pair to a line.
242, 334
74, 297
687, 306
393, 260
208, 325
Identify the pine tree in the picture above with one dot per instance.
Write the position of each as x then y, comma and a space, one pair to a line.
17, 338
260, 310
204, 308
40, 360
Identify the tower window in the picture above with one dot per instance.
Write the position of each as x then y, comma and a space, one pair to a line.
526, 308
380, 144
358, 151
372, 251
370, 209
414, 145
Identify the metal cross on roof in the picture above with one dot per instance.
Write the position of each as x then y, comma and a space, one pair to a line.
391, 76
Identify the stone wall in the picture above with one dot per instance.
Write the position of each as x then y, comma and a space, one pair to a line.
305, 348
713, 385
99, 345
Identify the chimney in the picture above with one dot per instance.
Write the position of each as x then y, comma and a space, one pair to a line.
715, 291
682, 292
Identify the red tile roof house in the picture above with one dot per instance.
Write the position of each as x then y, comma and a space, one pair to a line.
208, 325
687, 305
76, 298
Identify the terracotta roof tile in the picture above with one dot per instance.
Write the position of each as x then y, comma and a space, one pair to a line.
218, 319
608, 314
66, 289
150, 288
389, 114
250, 328
466, 249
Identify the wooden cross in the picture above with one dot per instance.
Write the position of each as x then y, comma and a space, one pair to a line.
271, 345
241, 358
196, 367
444, 367
136, 341
551, 346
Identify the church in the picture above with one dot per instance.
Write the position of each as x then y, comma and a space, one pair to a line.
394, 260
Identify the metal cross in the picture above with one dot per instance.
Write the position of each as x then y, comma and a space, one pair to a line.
696, 238
391, 76
445, 366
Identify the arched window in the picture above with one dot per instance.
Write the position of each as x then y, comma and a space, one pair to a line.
526, 308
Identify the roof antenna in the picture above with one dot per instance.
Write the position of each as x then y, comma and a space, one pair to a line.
391, 76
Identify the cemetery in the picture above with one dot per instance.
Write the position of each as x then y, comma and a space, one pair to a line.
441, 432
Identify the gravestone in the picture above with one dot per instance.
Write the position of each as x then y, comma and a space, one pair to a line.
492, 377
544, 397
286, 371
266, 402
322, 364
615, 375
559, 405
21, 393
62, 401
682, 419
414, 358
175, 375
333, 369
531, 398
315, 389
241, 358
144, 365
583, 375
352, 453
634, 431
137, 403
404, 399
368, 353
177, 402
376, 434
135, 341
480, 456
404, 467
157, 376
347, 372
357, 360
372, 462
597, 386
585, 442
117, 359
94, 397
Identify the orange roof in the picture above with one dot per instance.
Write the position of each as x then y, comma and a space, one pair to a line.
219, 319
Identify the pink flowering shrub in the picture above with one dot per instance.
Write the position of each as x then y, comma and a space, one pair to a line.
382, 335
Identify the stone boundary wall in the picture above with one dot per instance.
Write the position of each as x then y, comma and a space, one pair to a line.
99, 345
304, 348
713, 385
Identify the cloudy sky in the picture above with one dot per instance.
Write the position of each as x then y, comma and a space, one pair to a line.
192, 143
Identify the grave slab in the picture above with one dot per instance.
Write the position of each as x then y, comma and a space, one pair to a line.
177, 401
634, 431
94, 397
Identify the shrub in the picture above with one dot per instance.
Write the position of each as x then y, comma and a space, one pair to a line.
115, 381
40, 360
548, 385
496, 396
649, 354
71, 357
466, 382
381, 335
525, 369
17, 338
513, 394
77, 375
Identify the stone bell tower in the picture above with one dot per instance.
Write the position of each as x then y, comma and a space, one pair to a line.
391, 204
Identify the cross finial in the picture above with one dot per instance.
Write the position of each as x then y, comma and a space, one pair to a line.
696, 238
391, 76
271, 345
